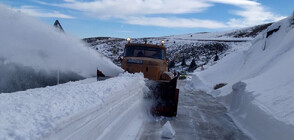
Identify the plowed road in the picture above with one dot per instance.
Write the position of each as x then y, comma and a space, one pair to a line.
200, 117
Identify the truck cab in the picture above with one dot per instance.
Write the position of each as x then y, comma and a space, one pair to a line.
146, 58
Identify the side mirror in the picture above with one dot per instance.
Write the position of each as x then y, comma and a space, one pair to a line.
119, 59
167, 60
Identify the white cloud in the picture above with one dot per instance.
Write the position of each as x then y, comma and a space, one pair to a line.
149, 12
174, 22
124, 8
251, 13
236, 2
32, 11
253, 16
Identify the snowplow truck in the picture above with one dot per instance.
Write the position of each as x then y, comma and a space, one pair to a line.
151, 60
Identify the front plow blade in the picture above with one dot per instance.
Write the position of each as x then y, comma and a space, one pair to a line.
166, 97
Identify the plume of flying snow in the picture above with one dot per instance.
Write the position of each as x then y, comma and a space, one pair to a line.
34, 54
28, 42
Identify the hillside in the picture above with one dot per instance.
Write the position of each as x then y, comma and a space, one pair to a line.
199, 46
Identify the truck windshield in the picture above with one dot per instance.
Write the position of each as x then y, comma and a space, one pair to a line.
140, 51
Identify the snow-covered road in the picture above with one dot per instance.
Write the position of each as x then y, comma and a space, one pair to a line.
109, 109
200, 116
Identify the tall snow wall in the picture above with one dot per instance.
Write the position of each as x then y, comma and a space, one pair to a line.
260, 81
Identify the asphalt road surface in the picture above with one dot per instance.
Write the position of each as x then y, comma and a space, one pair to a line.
200, 117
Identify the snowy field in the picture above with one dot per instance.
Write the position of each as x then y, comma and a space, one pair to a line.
259, 93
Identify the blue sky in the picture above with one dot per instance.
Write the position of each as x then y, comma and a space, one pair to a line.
148, 18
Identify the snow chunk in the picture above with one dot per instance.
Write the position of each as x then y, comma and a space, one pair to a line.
238, 91
167, 131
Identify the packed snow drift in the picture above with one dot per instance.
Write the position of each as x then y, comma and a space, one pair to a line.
74, 110
260, 85
35, 52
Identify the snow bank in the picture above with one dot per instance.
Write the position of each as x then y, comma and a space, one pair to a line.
68, 111
263, 102
28, 43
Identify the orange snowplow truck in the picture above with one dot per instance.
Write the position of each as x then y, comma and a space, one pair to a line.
152, 62
148, 59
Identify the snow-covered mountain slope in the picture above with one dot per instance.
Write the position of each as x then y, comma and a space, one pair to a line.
199, 46
237, 35
75, 110
260, 83
33, 53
